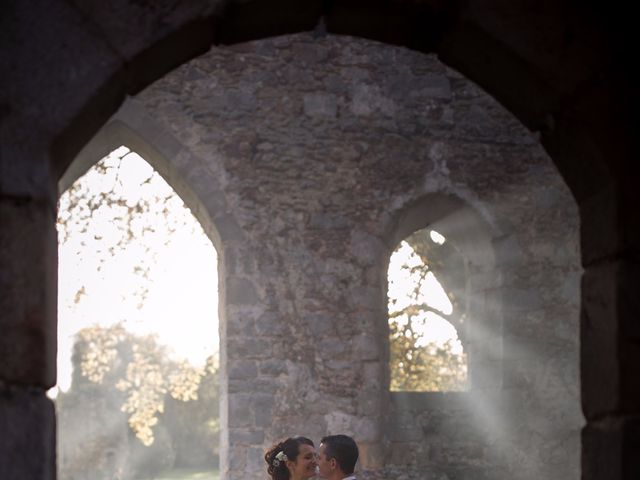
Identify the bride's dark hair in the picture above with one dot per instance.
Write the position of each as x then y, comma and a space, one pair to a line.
291, 447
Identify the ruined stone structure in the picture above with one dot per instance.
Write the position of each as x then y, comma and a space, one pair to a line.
307, 158
289, 150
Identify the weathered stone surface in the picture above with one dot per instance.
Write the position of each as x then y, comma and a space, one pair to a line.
246, 437
28, 322
263, 404
27, 443
542, 60
610, 447
24, 171
272, 367
299, 154
240, 410
242, 370
45, 104
610, 332
240, 291
159, 20
325, 182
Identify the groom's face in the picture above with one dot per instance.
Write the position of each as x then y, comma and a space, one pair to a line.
326, 466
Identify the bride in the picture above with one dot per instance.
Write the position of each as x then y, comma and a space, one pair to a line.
292, 459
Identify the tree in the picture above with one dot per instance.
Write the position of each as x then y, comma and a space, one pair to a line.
114, 223
125, 215
417, 363
138, 367
194, 426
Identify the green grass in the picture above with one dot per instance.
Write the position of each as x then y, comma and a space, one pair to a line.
188, 474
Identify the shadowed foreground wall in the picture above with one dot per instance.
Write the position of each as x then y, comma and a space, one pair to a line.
564, 68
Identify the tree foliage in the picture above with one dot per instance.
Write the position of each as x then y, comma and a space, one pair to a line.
126, 215
122, 213
431, 367
417, 363
140, 368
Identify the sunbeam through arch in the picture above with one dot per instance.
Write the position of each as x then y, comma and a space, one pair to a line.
138, 329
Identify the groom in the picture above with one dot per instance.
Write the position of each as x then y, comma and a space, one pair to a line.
337, 457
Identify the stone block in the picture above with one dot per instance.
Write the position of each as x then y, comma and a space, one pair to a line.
28, 254
610, 449
610, 339
273, 367
242, 370
25, 166
265, 385
402, 454
404, 431
320, 105
435, 86
256, 466
237, 460
157, 38
599, 230
228, 228
245, 437
508, 250
367, 429
271, 324
240, 321
249, 347
76, 68
369, 400
366, 347
240, 291
240, 411
371, 455
367, 249
486, 374
320, 324
518, 299
262, 402
610, 225
28, 439
262, 405
368, 99
370, 298
332, 347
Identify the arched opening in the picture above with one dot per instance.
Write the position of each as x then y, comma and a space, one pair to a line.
575, 93
508, 328
138, 330
303, 210
427, 280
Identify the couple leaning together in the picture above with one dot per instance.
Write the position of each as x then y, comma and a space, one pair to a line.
296, 459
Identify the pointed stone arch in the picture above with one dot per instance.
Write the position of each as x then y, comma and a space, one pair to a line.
576, 90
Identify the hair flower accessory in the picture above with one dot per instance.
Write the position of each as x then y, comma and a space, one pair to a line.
280, 457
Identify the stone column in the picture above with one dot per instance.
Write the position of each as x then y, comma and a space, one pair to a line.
28, 271
610, 338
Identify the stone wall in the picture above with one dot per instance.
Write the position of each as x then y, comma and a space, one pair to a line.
292, 146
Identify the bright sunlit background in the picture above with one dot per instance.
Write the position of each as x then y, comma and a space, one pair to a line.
131, 252
156, 274
404, 274
134, 263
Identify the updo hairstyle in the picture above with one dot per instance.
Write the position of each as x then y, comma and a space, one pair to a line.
277, 469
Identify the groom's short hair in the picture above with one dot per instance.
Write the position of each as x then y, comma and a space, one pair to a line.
344, 449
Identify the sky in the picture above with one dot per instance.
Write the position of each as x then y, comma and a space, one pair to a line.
98, 280
181, 307
402, 280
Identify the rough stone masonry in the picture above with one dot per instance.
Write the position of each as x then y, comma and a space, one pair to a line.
291, 146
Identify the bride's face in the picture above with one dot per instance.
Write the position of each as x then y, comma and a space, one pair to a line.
305, 463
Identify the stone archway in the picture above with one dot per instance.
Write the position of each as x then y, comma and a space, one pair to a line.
311, 167
93, 57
